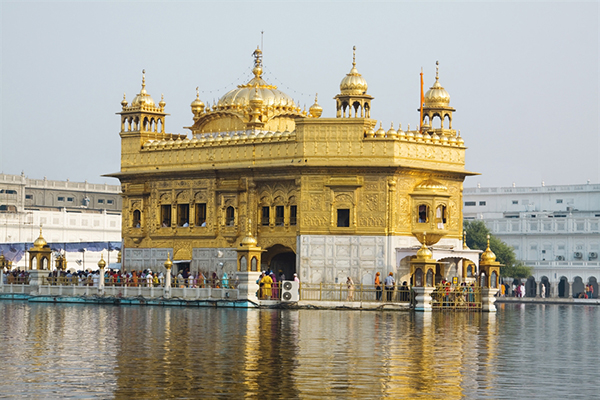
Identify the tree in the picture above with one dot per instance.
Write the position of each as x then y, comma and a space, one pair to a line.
477, 234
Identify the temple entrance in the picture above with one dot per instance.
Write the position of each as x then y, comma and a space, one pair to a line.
280, 259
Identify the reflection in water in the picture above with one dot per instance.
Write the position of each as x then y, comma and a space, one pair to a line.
82, 351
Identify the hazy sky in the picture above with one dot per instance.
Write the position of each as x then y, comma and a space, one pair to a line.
523, 77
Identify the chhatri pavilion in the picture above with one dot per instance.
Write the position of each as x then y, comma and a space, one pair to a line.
325, 197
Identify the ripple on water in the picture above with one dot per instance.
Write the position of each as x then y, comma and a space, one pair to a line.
77, 351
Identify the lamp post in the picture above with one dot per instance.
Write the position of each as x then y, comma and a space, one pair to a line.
101, 265
168, 264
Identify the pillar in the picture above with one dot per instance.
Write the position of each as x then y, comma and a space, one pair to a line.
423, 298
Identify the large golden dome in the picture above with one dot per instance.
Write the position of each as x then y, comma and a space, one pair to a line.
437, 95
271, 96
143, 98
353, 83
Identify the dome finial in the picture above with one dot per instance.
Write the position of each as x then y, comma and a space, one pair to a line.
437, 70
143, 79
197, 93
354, 56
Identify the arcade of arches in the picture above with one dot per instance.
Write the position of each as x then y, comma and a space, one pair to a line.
562, 289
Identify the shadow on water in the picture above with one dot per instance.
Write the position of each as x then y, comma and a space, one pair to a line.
76, 351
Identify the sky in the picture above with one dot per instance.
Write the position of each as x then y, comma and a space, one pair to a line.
522, 76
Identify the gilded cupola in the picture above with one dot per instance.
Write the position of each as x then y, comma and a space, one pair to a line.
353, 83
353, 100
143, 98
315, 110
437, 95
40, 242
488, 256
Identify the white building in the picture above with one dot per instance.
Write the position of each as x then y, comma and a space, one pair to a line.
69, 212
554, 229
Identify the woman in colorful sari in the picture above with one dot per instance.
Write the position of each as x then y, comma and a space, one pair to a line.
225, 280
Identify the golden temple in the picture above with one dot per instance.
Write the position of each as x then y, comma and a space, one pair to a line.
323, 197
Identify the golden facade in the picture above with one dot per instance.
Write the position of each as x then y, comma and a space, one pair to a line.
324, 197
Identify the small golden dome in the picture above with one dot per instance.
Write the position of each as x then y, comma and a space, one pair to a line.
353, 83
315, 110
488, 256
197, 104
424, 252
248, 241
437, 95
168, 264
101, 263
380, 132
124, 101
392, 132
459, 140
162, 102
40, 241
452, 141
143, 98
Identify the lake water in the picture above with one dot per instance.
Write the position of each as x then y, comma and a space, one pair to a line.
130, 352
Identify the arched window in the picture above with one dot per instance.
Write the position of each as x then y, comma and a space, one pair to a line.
230, 216
253, 264
430, 278
137, 219
470, 271
243, 264
494, 280
440, 216
423, 213
482, 281
419, 277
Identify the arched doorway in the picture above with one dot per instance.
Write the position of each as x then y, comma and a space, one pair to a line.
530, 289
546, 282
563, 287
592, 281
578, 286
281, 259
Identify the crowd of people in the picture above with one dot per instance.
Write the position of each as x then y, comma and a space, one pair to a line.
450, 295
16, 276
144, 278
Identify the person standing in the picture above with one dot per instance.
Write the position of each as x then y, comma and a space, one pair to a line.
350, 285
378, 286
543, 291
390, 283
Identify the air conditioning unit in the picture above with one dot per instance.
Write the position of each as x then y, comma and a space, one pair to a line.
593, 255
289, 291
560, 258
578, 254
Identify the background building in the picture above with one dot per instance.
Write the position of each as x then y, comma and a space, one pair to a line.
327, 198
74, 216
554, 229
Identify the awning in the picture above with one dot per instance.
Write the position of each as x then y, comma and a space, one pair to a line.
114, 266
182, 261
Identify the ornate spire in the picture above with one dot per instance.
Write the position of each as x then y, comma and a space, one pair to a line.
143, 80
437, 70
353, 56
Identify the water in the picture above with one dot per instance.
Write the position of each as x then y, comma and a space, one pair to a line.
81, 351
